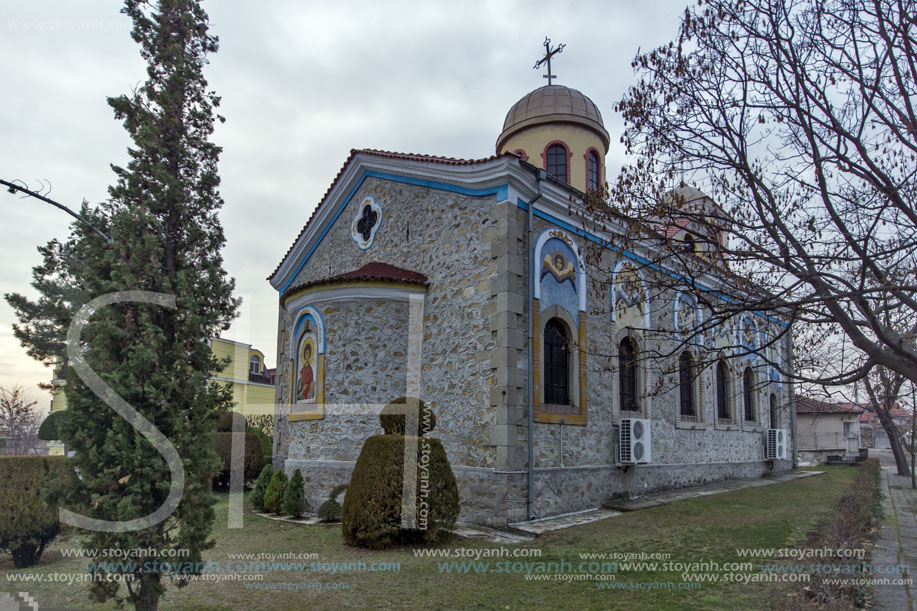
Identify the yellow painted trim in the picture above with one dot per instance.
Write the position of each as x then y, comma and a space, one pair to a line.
541, 416
551, 418
301, 417
408, 286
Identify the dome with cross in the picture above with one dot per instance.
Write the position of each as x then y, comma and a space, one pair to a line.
559, 130
553, 104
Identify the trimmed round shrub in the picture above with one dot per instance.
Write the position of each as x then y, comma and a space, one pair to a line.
252, 458
276, 489
330, 510
294, 498
224, 424
393, 418
371, 515
27, 522
264, 478
50, 426
225, 421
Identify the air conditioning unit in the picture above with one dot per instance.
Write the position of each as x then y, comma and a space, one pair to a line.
634, 441
776, 444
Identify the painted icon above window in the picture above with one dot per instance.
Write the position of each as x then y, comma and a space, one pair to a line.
366, 223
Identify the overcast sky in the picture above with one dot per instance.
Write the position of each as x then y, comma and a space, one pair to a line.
302, 83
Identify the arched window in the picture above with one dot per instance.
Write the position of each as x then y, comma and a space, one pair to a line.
748, 382
556, 363
556, 162
722, 404
627, 372
686, 383
593, 172
254, 365
773, 410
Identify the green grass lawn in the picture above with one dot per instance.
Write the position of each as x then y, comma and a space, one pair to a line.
706, 529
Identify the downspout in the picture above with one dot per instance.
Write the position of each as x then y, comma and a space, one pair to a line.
791, 368
539, 177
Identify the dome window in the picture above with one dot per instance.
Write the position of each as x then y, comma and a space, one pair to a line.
593, 170
556, 162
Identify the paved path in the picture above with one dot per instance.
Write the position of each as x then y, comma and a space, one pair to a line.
897, 540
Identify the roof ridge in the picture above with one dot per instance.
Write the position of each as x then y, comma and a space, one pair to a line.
387, 155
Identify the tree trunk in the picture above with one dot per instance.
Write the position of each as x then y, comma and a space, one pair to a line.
148, 597
895, 440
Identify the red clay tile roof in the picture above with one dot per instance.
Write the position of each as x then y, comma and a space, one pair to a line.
387, 155
371, 272
896, 413
805, 405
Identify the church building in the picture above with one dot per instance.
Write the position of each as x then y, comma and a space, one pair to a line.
558, 378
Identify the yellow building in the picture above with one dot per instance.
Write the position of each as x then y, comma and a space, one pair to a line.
251, 381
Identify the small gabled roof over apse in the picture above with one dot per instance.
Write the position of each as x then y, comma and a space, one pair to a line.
371, 272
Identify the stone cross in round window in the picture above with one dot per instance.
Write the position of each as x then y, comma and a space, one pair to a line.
366, 223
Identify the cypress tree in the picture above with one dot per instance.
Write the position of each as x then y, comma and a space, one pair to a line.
166, 238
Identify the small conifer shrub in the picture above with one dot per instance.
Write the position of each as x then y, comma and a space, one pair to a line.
264, 478
273, 496
330, 510
294, 498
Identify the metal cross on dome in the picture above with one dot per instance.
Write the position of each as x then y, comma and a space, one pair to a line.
549, 53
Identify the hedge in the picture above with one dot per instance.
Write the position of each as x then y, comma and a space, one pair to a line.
224, 424
28, 523
252, 461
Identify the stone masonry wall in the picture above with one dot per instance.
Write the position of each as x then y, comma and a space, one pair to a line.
436, 233
365, 364
475, 368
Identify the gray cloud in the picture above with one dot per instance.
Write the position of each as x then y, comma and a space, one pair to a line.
302, 83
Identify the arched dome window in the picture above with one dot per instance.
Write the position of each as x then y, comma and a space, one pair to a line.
556, 162
593, 171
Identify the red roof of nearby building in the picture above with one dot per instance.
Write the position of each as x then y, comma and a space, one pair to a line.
371, 272
387, 155
806, 405
869, 416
